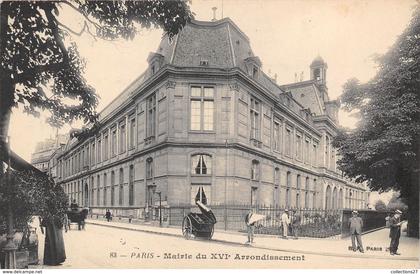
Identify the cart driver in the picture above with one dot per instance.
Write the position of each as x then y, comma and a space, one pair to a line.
74, 206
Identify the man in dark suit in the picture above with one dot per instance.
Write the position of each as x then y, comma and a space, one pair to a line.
356, 225
395, 232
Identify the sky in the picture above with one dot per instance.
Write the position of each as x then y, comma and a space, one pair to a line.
285, 34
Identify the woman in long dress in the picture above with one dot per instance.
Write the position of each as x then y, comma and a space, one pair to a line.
54, 250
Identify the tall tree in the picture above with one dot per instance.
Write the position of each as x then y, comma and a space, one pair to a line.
384, 148
40, 67
380, 205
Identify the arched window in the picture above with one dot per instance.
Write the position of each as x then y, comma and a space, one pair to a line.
314, 198
131, 186
328, 198
288, 184
307, 192
98, 190
276, 197
334, 199
105, 188
112, 188
298, 187
92, 191
201, 164
340, 198
86, 203
121, 188
255, 170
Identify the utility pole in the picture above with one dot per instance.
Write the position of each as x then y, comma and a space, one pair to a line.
10, 247
226, 174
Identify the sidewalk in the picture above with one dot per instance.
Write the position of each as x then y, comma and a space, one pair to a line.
375, 243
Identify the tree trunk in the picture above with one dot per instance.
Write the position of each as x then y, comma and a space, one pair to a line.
413, 201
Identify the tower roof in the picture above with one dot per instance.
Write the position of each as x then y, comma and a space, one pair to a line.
318, 61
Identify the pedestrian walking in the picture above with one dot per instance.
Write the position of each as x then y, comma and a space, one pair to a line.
285, 221
395, 232
249, 227
108, 215
295, 224
356, 225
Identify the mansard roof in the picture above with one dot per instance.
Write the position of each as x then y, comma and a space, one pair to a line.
218, 44
308, 95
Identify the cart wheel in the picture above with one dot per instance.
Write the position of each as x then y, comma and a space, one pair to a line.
186, 227
211, 233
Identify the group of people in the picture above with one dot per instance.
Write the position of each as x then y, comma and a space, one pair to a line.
289, 220
290, 225
394, 223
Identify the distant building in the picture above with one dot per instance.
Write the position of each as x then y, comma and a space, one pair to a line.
44, 157
204, 120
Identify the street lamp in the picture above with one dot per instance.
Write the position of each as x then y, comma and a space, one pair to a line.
160, 207
10, 247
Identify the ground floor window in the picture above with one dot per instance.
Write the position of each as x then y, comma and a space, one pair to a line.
200, 193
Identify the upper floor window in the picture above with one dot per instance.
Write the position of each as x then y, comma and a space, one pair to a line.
307, 150
114, 141
149, 168
298, 146
99, 150
288, 144
93, 151
255, 172
151, 116
132, 138
201, 164
327, 151
314, 153
106, 144
202, 108
255, 119
277, 136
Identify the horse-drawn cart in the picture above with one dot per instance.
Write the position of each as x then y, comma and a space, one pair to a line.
77, 216
199, 225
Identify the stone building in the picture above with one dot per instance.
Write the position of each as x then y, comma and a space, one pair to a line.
44, 156
205, 122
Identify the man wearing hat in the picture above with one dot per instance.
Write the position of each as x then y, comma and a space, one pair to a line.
285, 221
395, 232
356, 224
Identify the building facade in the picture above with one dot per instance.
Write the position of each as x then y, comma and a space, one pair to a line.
44, 157
205, 122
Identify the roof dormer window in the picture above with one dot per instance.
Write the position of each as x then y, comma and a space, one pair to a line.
255, 72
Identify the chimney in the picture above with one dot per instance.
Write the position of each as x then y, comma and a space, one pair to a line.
301, 76
214, 14
275, 77
296, 78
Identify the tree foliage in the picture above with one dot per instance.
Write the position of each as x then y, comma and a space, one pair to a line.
396, 203
385, 143
383, 149
41, 68
28, 195
380, 205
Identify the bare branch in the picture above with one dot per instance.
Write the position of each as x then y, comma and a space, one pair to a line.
72, 31
84, 15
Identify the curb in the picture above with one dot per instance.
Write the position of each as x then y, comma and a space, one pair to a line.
328, 254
